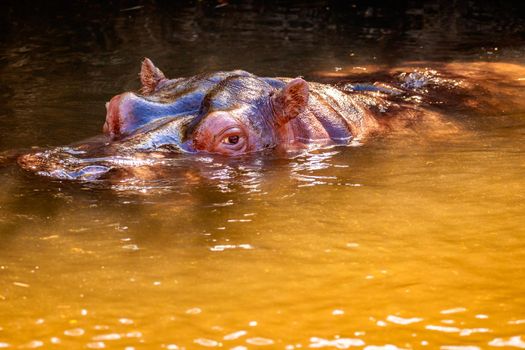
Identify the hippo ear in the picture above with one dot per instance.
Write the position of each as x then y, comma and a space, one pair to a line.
150, 76
290, 101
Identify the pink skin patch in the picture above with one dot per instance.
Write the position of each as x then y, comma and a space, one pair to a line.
223, 134
113, 117
119, 117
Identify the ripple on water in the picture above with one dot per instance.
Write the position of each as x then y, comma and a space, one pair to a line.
206, 342
453, 311
443, 329
515, 341
235, 335
75, 332
403, 321
134, 334
33, 344
126, 321
109, 336
223, 247
194, 311
340, 343
259, 341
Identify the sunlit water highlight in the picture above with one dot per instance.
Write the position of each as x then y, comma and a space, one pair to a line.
403, 242
395, 244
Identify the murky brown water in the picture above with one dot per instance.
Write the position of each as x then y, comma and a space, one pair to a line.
404, 242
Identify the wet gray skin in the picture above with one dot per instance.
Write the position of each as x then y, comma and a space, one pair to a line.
100, 158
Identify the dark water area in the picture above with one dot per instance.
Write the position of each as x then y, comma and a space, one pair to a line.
62, 60
411, 240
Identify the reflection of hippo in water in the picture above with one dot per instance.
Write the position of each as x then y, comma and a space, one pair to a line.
229, 113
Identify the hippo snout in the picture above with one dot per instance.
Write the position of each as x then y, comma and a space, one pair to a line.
128, 112
119, 116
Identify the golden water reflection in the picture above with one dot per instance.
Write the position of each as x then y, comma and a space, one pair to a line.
396, 244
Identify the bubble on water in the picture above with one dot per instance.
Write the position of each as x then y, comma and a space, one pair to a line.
206, 342
338, 312
40, 321
96, 345
381, 323
4, 345
403, 321
515, 341
172, 347
83, 312
235, 335
252, 323
55, 340
482, 316
75, 332
459, 347
382, 347
239, 347
341, 343
259, 341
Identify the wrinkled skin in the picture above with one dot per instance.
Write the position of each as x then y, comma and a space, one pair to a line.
236, 113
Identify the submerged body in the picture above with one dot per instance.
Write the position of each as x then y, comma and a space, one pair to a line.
234, 113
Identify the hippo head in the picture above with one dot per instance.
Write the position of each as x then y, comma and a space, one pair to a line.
231, 112
228, 113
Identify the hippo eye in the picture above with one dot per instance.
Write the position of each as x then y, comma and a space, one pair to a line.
231, 140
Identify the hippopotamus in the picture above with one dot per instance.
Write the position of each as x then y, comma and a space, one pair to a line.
233, 113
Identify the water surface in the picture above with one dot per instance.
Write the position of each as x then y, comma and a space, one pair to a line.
407, 241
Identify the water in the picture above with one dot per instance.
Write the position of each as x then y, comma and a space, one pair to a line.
408, 241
